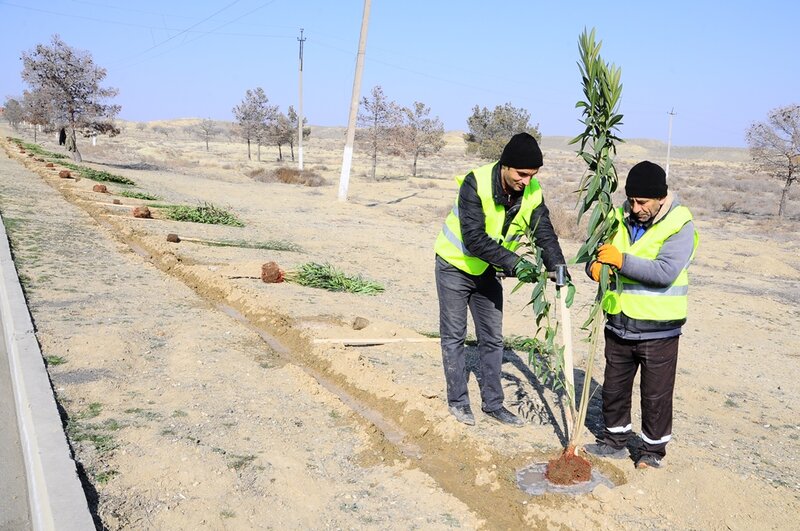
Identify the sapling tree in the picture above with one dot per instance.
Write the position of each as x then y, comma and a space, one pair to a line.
602, 89
596, 147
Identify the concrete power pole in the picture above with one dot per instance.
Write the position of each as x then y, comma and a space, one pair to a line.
300, 108
671, 113
347, 157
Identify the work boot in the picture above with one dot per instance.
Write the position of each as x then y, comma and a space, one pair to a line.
506, 417
648, 461
463, 414
602, 449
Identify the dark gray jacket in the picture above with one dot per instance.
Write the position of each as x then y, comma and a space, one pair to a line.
478, 242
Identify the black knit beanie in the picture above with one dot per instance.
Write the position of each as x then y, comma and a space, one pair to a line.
647, 180
522, 152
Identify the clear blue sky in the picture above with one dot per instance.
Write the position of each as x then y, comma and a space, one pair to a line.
720, 65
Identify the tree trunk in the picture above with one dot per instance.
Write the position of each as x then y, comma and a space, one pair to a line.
291, 147
259, 151
280, 153
248, 150
784, 196
374, 162
72, 146
206, 143
414, 167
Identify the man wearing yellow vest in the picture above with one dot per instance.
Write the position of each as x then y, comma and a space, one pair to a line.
496, 203
649, 254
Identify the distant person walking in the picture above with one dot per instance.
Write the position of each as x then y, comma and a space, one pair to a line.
495, 205
649, 254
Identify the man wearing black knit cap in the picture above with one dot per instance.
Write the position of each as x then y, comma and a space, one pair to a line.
496, 203
649, 255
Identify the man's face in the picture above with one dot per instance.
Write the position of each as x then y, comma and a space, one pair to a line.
517, 179
644, 209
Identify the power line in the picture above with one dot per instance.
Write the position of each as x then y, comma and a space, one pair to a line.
185, 30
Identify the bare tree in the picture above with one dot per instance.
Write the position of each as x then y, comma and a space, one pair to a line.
254, 115
13, 112
775, 147
281, 132
421, 135
381, 120
72, 79
489, 131
37, 109
207, 130
293, 117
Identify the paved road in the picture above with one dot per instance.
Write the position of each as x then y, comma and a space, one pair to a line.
14, 512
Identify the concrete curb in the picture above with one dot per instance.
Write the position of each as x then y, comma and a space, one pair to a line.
57, 500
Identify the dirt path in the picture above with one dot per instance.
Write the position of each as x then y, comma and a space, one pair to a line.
184, 416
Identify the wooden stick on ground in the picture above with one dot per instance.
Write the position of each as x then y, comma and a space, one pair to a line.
356, 342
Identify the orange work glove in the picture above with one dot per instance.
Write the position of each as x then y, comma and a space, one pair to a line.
608, 254
595, 270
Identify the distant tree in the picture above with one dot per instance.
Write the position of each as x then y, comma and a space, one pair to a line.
293, 117
254, 115
489, 131
208, 129
381, 121
775, 147
37, 109
72, 79
14, 112
281, 132
421, 135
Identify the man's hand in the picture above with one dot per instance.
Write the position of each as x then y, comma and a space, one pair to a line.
608, 254
595, 270
525, 271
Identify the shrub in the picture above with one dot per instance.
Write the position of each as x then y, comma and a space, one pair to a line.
287, 176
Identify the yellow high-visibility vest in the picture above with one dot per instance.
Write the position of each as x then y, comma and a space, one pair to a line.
637, 300
450, 244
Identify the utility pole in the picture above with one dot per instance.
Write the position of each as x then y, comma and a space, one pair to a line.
300, 108
671, 113
347, 157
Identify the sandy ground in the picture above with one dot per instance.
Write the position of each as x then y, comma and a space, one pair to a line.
196, 396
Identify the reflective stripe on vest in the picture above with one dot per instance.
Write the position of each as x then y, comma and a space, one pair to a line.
450, 244
637, 300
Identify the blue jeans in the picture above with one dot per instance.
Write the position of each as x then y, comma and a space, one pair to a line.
483, 295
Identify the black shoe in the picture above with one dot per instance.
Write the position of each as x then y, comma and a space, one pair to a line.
648, 461
506, 417
463, 414
602, 449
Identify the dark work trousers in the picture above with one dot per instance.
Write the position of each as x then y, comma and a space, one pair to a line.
658, 359
483, 295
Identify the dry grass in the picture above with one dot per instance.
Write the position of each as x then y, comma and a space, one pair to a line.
287, 176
